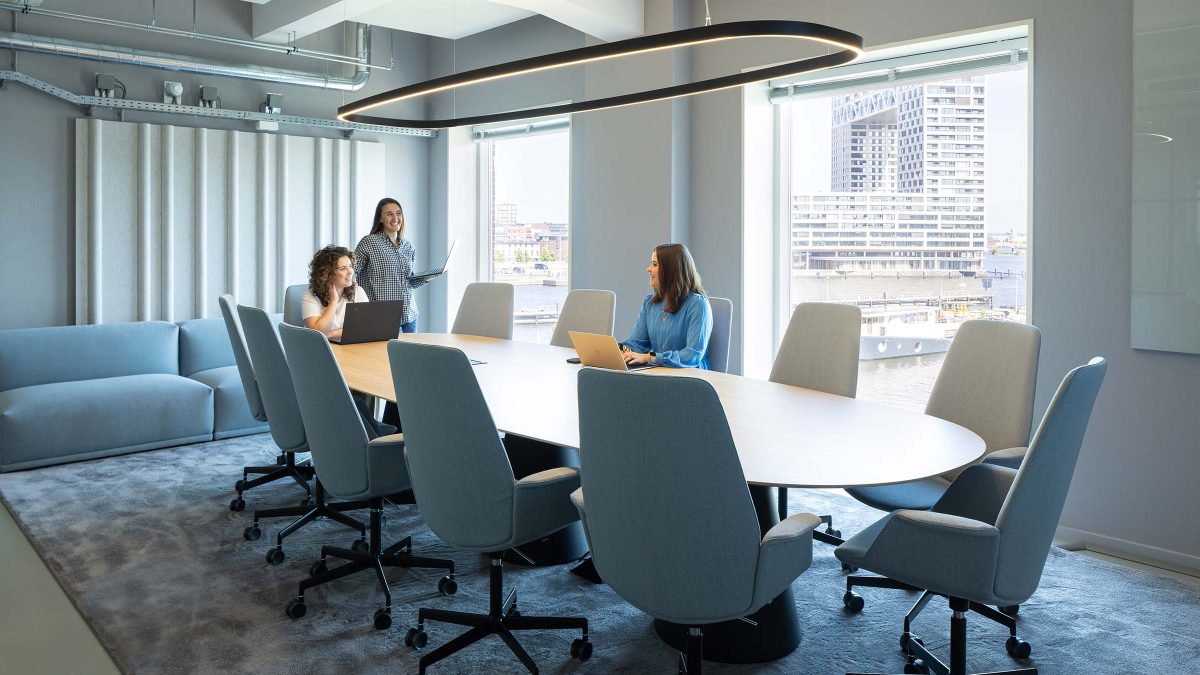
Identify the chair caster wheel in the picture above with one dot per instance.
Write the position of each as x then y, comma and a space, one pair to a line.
1017, 648
849, 569
360, 546
252, 533
281, 459
237, 504
317, 569
853, 601
296, 609
513, 612
307, 502
448, 586
581, 648
833, 533
916, 666
1011, 610
275, 556
382, 619
416, 638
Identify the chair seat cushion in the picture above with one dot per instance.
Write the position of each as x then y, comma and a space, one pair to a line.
232, 415
69, 421
919, 495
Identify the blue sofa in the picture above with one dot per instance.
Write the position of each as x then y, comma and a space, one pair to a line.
69, 393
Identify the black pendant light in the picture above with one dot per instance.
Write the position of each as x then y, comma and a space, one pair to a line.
849, 44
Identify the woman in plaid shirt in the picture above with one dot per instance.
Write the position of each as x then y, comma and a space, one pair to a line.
384, 261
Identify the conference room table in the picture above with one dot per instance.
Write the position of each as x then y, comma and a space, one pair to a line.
785, 436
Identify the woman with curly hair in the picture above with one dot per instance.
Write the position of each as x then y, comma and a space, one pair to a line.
330, 286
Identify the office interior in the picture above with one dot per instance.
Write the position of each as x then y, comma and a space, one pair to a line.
682, 170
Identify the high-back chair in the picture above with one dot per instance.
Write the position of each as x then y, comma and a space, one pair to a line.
585, 311
351, 467
285, 464
293, 304
464, 484
718, 341
986, 539
679, 537
287, 428
486, 310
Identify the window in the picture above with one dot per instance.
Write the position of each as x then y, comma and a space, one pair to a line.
952, 173
524, 199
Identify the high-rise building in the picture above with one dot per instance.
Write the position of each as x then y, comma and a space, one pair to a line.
506, 214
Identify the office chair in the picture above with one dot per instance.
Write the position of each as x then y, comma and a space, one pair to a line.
986, 539
285, 465
293, 304
585, 311
678, 538
351, 467
819, 351
468, 496
486, 310
718, 341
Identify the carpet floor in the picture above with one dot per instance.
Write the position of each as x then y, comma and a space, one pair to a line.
146, 548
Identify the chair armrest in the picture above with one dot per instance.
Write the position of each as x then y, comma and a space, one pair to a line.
787, 530
382, 442
944, 553
1009, 457
785, 552
542, 503
563, 473
977, 493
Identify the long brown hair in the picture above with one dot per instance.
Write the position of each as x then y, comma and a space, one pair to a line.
377, 224
321, 270
677, 276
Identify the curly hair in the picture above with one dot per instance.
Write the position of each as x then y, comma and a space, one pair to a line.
321, 270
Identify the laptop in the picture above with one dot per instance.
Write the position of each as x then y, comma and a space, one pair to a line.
430, 274
371, 321
601, 351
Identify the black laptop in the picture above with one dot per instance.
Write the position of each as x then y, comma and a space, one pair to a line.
371, 321
437, 271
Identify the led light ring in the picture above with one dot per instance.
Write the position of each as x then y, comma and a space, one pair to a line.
850, 44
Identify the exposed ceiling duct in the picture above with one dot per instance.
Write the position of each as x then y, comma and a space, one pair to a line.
191, 64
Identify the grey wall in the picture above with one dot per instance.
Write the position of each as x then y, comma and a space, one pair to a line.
37, 191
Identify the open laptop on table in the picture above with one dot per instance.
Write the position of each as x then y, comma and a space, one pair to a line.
371, 321
430, 274
601, 351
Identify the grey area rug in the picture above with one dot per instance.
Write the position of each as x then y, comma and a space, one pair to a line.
148, 551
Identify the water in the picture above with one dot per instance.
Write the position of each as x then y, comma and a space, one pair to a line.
537, 297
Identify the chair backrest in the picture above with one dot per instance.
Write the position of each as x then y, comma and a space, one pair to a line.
336, 436
486, 310
274, 379
293, 304
585, 311
820, 349
987, 382
1030, 514
669, 516
457, 465
241, 357
718, 341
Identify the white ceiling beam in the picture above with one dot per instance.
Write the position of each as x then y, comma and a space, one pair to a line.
605, 19
280, 21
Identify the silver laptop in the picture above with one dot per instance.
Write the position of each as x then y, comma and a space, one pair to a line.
430, 274
601, 351
371, 321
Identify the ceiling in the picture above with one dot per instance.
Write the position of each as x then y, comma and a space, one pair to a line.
284, 20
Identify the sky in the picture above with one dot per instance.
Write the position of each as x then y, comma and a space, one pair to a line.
534, 173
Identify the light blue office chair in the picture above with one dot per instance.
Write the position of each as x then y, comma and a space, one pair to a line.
718, 341
678, 538
465, 487
486, 310
351, 467
585, 311
293, 304
986, 539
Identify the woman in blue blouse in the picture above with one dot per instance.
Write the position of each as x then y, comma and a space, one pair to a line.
675, 323
383, 261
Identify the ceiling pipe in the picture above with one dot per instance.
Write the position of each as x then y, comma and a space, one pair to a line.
191, 64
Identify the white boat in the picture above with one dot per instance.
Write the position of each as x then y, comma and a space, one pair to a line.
894, 331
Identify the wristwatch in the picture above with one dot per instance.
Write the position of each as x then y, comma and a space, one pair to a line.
652, 357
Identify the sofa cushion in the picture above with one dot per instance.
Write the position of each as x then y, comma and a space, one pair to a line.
66, 421
232, 416
203, 345
31, 356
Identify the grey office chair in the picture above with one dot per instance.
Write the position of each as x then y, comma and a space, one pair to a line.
820, 352
285, 465
351, 467
718, 341
678, 538
986, 539
287, 428
293, 304
464, 485
585, 311
486, 310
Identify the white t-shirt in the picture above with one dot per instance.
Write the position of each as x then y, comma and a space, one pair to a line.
311, 307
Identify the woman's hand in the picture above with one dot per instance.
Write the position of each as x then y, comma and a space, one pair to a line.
635, 359
332, 296
335, 334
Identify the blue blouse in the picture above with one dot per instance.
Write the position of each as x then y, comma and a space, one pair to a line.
678, 340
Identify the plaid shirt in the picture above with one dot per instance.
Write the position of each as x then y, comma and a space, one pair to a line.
382, 269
